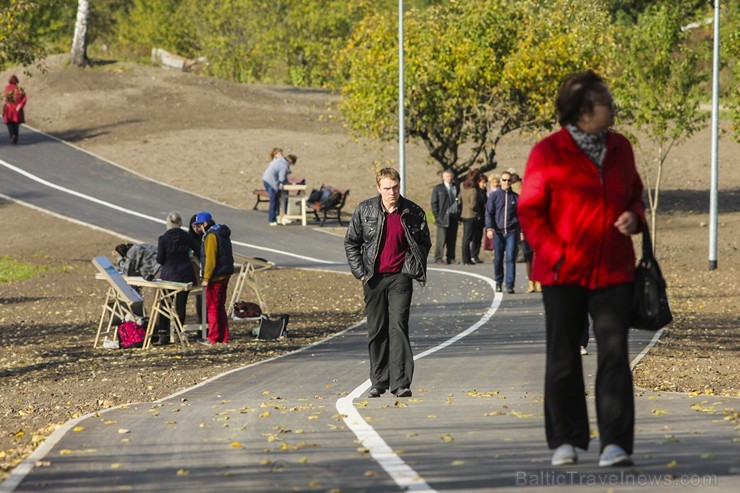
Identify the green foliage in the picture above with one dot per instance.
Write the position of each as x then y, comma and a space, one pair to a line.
12, 270
53, 24
657, 86
476, 70
730, 53
627, 12
316, 31
18, 45
147, 24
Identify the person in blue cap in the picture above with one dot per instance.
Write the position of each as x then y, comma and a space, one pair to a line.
217, 266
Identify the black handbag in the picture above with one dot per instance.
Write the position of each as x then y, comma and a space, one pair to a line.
650, 309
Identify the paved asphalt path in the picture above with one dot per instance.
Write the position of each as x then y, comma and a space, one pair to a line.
301, 422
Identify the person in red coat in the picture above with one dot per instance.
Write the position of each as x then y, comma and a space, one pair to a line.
581, 200
15, 101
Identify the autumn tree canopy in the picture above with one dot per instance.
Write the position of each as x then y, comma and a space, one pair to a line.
475, 71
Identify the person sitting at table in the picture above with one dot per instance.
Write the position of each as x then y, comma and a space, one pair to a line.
137, 260
174, 248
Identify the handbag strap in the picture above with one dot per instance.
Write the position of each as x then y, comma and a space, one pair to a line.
647, 244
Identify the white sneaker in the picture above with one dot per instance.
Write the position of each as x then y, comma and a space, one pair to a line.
614, 455
564, 455
273, 224
584, 351
287, 221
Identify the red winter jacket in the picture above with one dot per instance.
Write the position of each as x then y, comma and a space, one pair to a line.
15, 100
567, 212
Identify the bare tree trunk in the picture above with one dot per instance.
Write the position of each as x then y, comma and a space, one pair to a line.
79, 43
654, 233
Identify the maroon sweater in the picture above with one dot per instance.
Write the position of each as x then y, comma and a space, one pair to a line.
393, 245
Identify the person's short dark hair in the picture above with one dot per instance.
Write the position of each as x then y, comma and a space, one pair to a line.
123, 248
578, 95
389, 173
292, 158
13, 80
192, 230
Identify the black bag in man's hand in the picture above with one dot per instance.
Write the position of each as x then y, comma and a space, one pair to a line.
650, 309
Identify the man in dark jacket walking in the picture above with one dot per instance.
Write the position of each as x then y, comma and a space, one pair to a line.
502, 225
387, 244
446, 210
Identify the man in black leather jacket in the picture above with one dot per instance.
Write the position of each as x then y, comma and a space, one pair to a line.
387, 244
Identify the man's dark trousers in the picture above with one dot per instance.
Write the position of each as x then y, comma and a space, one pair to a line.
387, 306
446, 238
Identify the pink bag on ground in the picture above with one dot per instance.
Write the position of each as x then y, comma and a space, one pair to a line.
131, 334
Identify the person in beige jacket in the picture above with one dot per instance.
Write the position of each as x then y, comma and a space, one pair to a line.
471, 211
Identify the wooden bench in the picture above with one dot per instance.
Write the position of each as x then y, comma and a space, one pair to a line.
333, 211
263, 196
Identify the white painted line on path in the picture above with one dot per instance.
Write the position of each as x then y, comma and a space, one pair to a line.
401, 473
645, 350
140, 215
19, 473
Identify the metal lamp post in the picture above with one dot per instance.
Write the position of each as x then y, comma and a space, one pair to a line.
401, 111
713, 180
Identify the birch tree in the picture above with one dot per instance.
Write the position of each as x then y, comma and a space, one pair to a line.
79, 42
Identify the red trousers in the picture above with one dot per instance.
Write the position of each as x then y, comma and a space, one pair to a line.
218, 323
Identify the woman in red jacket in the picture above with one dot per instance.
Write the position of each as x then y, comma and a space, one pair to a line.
581, 200
15, 101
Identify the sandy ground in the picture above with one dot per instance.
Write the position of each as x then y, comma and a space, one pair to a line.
199, 134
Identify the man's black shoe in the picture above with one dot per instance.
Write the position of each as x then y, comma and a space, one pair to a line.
498, 287
510, 289
403, 392
375, 392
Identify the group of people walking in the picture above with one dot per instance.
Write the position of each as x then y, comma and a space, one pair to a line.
487, 212
201, 254
581, 201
